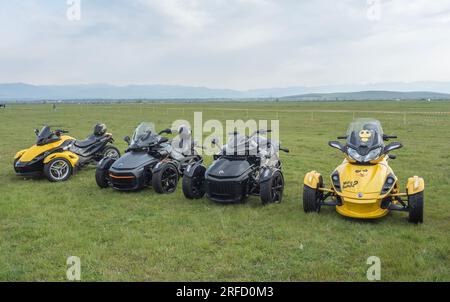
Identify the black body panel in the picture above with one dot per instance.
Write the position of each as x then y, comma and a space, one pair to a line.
29, 169
132, 171
89, 148
227, 180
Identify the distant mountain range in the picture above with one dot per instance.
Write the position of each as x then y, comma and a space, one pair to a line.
415, 90
371, 95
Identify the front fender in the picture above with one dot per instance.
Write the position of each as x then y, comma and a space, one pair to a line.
71, 157
105, 163
191, 169
415, 185
20, 153
266, 174
158, 167
312, 179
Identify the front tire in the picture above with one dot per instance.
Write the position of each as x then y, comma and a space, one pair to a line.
194, 187
165, 181
311, 198
415, 206
271, 191
58, 169
101, 173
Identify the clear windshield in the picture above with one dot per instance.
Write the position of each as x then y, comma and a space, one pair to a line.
239, 144
45, 132
143, 132
365, 132
45, 135
364, 140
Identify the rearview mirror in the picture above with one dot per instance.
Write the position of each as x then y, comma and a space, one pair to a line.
163, 140
392, 146
167, 131
36, 131
337, 145
127, 139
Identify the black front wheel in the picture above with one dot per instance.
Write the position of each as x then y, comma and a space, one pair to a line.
194, 186
165, 180
102, 172
312, 198
415, 208
271, 191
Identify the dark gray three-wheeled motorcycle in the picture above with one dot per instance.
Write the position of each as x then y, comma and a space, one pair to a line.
150, 160
246, 165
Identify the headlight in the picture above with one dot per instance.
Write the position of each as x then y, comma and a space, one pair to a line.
388, 184
375, 153
336, 181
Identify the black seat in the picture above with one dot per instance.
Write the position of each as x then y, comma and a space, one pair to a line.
87, 142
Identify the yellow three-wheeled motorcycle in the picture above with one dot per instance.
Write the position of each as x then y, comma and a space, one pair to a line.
364, 186
57, 155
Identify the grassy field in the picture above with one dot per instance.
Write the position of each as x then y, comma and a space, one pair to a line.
145, 236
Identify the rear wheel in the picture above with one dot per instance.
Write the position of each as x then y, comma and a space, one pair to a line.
311, 198
111, 152
271, 191
415, 206
165, 180
194, 186
58, 169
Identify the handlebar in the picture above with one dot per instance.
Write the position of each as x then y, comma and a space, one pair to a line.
342, 137
387, 137
284, 150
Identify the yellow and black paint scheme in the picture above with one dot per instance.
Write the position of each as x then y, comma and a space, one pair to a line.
31, 161
58, 156
367, 190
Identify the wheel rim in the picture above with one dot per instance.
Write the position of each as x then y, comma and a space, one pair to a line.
197, 184
59, 169
112, 153
169, 179
277, 189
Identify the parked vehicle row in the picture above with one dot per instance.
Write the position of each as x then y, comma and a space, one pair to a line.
363, 186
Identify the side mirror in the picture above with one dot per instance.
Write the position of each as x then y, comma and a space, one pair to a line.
167, 131
392, 146
215, 141
127, 140
337, 145
36, 131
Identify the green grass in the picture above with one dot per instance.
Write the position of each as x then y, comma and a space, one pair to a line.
145, 236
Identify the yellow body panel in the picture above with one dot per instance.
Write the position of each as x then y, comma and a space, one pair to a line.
20, 153
70, 156
312, 179
361, 187
35, 150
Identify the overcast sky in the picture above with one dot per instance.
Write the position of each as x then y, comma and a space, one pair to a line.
240, 44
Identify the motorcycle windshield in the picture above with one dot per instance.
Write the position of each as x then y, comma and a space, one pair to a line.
144, 133
239, 144
365, 140
44, 136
